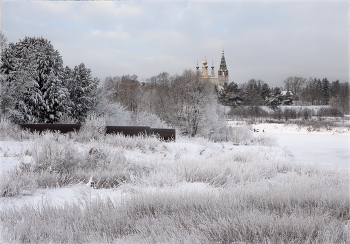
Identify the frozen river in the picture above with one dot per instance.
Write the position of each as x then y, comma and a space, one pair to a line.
321, 148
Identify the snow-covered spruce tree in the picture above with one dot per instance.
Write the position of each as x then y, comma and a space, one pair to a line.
230, 95
17, 102
265, 91
275, 99
252, 93
287, 99
36, 67
83, 91
325, 91
56, 99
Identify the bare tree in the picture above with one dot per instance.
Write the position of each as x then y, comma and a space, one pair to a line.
189, 104
295, 85
341, 101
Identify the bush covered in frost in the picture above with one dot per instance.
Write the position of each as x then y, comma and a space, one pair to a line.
9, 130
93, 128
148, 119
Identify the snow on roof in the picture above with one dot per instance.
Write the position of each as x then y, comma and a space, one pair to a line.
285, 92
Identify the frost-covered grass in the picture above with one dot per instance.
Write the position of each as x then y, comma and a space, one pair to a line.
268, 204
243, 191
8, 130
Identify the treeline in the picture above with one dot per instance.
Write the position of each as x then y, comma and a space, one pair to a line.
36, 88
253, 93
296, 90
183, 101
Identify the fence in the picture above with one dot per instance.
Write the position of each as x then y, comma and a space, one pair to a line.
165, 134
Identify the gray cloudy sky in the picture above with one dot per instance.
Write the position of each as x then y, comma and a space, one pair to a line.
267, 40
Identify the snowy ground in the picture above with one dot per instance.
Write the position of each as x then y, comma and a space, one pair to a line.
13, 153
329, 148
326, 147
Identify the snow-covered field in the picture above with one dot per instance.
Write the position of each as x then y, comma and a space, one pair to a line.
328, 147
13, 153
198, 167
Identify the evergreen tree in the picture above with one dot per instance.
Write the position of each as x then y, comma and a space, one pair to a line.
265, 91
83, 91
318, 91
335, 88
230, 95
252, 93
287, 99
325, 91
17, 103
36, 68
56, 99
275, 99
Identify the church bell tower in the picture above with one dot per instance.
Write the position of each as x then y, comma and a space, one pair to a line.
223, 71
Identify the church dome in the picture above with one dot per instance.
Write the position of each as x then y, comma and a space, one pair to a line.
205, 61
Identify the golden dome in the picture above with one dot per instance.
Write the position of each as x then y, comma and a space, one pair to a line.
205, 60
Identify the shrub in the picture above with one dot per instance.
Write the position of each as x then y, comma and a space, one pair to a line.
289, 114
329, 112
263, 140
252, 111
16, 183
8, 130
148, 119
93, 128
306, 113
52, 152
241, 135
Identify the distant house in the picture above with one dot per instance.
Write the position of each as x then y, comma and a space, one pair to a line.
285, 93
287, 97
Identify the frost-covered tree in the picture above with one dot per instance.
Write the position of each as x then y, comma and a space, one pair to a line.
113, 112
56, 99
287, 98
82, 88
325, 91
230, 95
252, 93
295, 85
275, 98
341, 100
335, 88
265, 91
189, 104
17, 102
34, 66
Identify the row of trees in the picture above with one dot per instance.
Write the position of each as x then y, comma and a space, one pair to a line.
316, 91
253, 93
36, 88
297, 90
183, 101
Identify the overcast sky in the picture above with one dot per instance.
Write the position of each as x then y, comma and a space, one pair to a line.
267, 40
